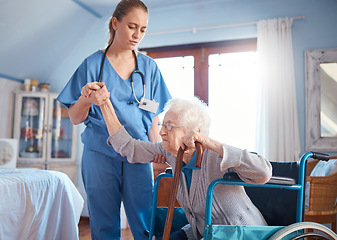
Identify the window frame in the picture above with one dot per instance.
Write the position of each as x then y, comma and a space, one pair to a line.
200, 52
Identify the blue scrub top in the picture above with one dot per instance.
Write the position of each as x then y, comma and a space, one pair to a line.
135, 120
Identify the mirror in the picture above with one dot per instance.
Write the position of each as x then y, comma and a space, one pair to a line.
321, 100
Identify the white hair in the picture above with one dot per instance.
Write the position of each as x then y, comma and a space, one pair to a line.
192, 114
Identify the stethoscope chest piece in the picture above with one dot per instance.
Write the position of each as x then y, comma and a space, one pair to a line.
143, 103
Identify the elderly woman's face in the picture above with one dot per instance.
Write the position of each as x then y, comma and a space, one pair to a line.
171, 137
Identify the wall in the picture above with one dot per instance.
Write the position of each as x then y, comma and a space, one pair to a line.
7, 100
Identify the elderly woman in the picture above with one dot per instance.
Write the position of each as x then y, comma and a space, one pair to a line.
184, 123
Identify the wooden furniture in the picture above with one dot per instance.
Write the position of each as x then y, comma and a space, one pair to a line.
322, 198
164, 185
46, 137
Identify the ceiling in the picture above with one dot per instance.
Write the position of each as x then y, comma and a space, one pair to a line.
102, 8
47, 39
41, 38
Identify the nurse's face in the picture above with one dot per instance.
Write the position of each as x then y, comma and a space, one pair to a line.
171, 133
130, 30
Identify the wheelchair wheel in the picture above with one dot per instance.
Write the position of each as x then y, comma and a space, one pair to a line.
298, 231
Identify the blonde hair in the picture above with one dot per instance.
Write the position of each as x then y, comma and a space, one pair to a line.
192, 114
122, 9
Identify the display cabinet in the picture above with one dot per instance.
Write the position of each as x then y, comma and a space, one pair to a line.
46, 137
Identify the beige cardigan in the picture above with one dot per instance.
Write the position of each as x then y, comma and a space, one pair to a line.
231, 205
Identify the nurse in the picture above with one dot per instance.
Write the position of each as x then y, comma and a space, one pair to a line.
108, 177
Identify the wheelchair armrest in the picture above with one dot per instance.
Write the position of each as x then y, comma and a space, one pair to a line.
273, 179
282, 180
231, 176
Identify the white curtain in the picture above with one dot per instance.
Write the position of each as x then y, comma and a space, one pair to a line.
277, 130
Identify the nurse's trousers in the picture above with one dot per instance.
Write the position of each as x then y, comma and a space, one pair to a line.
107, 182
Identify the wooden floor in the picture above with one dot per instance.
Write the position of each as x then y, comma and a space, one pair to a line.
84, 230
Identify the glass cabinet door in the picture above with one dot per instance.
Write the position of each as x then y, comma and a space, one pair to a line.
47, 138
61, 132
32, 139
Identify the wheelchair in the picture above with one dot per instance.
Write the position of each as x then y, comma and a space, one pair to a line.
281, 202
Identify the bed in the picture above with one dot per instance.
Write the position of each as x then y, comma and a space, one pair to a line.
38, 205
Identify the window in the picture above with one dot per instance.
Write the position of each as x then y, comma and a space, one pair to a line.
179, 72
232, 98
222, 74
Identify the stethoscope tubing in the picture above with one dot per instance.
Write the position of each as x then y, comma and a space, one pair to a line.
136, 71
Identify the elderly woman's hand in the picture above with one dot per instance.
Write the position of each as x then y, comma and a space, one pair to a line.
188, 141
96, 93
159, 159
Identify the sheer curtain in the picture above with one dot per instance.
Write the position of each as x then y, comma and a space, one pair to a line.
277, 122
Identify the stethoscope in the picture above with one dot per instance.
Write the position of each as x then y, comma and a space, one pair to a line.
136, 71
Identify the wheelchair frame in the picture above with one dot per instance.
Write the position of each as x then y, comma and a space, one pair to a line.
264, 232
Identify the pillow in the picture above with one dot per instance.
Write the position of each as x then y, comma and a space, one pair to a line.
323, 168
333, 168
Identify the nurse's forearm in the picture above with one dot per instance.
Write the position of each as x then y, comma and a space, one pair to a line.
154, 135
79, 111
110, 117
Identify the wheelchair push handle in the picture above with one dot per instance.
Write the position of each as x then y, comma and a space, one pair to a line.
320, 156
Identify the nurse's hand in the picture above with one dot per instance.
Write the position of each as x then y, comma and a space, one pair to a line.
99, 96
90, 87
91, 93
159, 159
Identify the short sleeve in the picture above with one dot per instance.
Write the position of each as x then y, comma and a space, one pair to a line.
158, 90
162, 94
72, 91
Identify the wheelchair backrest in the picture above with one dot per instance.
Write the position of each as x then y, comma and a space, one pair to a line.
278, 206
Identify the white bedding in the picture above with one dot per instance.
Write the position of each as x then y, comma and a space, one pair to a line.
38, 205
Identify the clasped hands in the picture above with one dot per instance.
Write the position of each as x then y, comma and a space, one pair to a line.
96, 93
